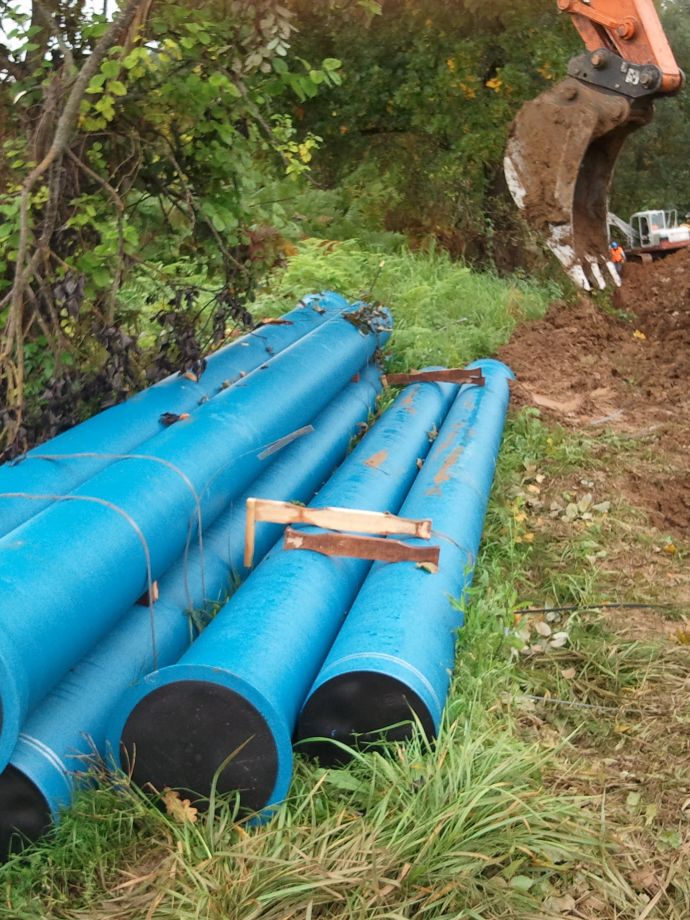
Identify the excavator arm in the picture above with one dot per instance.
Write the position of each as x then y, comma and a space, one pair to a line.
564, 144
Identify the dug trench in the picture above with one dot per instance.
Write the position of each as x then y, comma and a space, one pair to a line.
611, 374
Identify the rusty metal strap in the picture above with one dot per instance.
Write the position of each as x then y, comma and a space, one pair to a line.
449, 375
356, 547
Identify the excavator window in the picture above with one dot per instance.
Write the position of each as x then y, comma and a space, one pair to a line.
644, 231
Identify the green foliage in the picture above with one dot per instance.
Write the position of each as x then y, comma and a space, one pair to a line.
184, 146
654, 168
429, 90
444, 312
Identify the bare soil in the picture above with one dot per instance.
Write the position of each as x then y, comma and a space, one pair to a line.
624, 369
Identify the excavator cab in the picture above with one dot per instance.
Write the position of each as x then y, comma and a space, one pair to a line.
563, 145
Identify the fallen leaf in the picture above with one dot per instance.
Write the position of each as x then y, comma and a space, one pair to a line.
560, 905
633, 800
650, 813
682, 636
645, 879
671, 839
179, 809
521, 882
670, 548
543, 628
568, 673
559, 639
585, 502
640, 336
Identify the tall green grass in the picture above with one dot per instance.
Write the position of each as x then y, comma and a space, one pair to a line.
444, 312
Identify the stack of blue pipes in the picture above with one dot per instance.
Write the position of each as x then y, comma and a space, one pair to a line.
284, 658
111, 533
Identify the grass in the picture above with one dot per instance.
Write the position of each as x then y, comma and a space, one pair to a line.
444, 313
526, 807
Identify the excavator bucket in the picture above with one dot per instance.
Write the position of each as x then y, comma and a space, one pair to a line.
559, 162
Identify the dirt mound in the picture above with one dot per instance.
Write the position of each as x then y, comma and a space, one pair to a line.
659, 295
626, 369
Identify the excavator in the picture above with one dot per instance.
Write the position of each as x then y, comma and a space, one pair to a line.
563, 145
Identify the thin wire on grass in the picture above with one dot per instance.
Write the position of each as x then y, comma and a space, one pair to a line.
575, 704
603, 606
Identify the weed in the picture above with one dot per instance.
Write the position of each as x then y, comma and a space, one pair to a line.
444, 313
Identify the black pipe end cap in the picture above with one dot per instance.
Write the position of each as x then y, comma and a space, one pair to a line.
24, 812
362, 709
181, 734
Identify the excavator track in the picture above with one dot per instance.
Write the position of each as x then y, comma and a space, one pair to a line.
559, 162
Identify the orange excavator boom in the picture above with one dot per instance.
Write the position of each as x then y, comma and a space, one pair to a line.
629, 28
564, 144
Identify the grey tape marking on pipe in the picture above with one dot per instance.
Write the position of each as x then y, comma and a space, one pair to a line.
283, 442
46, 751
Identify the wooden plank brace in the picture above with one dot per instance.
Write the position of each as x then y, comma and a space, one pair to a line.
330, 518
356, 547
447, 375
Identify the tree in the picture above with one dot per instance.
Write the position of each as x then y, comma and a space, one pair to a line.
429, 91
654, 169
133, 146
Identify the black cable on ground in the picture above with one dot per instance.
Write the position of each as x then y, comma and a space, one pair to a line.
603, 606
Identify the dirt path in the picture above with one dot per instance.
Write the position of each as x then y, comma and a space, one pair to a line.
621, 377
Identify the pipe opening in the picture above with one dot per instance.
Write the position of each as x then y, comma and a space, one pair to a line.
361, 709
24, 812
180, 734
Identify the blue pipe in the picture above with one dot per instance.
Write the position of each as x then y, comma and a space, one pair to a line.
52, 754
394, 656
239, 688
120, 429
68, 574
